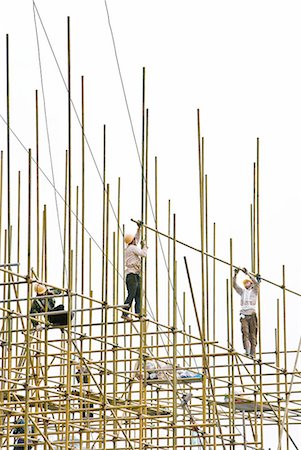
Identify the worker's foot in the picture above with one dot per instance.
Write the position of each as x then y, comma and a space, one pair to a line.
126, 317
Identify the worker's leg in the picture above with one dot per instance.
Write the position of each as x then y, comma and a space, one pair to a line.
253, 333
138, 296
131, 284
245, 333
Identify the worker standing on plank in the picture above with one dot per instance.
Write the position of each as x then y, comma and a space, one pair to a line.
133, 255
248, 318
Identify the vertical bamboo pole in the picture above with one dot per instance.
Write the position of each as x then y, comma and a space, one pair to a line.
144, 261
65, 217
105, 335
156, 256
103, 226
230, 401
206, 259
9, 320
9, 324
201, 200
214, 322
259, 303
19, 225
232, 346
254, 217
1, 198
143, 293
143, 146
44, 245
76, 254
252, 239
118, 242
8, 152
206, 268
115, 326
28, 325
83, 188
174, 340
285, 349
278, 373
168, 265
37, 182
69, 340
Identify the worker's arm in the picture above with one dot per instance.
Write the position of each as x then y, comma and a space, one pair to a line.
137, 236
238, 289
140, 251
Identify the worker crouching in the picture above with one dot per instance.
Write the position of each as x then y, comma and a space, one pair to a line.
133, 255
248, 318
44, 303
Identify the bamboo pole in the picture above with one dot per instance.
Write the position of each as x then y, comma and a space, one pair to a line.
37, 182
105, 348
65, 216
83, 189
174, 340
168, 265
1, 200
28, 324
69, 251
19, 224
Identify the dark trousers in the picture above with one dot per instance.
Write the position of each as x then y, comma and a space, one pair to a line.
249, 333
60, 319
133, 282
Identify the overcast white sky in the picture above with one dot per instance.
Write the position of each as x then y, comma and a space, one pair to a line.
237, 61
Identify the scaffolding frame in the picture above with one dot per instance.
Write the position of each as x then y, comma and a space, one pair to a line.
120, 407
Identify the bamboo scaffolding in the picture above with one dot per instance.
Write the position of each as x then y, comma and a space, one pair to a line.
165, 380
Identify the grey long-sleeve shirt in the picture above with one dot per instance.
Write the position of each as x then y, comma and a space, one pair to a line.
248, 297
133, 255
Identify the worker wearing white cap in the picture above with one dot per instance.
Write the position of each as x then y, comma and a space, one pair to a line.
248, 318
133, 255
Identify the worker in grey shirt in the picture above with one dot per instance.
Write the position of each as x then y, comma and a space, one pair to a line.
133, 255
248, 317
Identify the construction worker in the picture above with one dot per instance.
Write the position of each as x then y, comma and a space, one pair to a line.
82, 376
44, 303
133, 256
19, 429
248, 318
40, 305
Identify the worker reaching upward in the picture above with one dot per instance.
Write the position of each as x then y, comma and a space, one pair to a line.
248, 318
133, 255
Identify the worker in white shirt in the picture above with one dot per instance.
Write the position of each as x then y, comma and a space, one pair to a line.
248, 318
133, 255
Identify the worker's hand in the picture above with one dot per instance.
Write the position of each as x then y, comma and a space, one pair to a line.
236, 270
